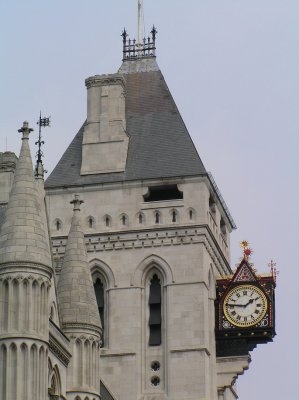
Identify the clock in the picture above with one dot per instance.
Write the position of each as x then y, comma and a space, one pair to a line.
245, 305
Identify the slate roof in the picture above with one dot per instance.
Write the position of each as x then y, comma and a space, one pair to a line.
105, 394
160, 145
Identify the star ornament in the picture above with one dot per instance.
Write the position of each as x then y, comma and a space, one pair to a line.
244, 244
248, 252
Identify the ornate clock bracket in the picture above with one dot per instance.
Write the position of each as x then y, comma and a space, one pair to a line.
244, 309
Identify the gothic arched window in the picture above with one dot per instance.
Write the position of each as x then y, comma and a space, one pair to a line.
140, 218
107, 221
100, 296
155, 312
58, 224
174, 216
91, 222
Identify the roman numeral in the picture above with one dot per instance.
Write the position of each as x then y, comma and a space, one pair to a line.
245, 292
257, 311
259, 305
234, 313
238, 294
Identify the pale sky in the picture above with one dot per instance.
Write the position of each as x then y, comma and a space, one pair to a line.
232, 67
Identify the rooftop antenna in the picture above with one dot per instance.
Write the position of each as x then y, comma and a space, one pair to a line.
139, 36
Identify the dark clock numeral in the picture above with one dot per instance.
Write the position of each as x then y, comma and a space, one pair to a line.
245, 292
238, 294
259, 305
238, 318
234, 313
245, 319
257, 311
252, 317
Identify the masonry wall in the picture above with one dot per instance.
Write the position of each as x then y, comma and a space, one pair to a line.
185, 254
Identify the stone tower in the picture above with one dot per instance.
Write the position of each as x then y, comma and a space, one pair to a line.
157, 233
25, 276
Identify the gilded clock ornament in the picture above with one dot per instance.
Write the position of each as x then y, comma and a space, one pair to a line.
245, 305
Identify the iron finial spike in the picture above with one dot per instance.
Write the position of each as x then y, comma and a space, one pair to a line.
154, 33
43, 122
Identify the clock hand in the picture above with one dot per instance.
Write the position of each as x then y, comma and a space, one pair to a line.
251, 301
236, 305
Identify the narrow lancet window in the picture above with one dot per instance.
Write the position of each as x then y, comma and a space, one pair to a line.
90, 222
174, 218
157, 218
58, 225
140, 218
100, 296
155, 318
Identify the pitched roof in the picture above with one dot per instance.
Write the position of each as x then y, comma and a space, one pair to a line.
160, 145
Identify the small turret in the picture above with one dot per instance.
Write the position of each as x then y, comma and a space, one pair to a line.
25, 276
79, 313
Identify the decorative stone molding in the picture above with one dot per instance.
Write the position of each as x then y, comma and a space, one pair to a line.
23, 277
59, 344
160, 237
105, 80
189, 349
229, 368
26, 268
146, 264
79, 328
104, 269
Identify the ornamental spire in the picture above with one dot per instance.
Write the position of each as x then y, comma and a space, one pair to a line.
23, 236
77, 301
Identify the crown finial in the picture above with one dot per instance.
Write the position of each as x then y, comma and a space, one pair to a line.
247, 251
25, 130
76, 202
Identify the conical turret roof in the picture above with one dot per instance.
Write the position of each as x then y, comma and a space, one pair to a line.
23, 236
76, 296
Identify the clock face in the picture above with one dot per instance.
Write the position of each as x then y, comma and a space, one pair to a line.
245, 305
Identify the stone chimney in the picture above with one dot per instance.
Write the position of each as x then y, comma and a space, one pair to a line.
105, 142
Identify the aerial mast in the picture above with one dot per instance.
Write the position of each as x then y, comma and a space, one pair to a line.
139, 36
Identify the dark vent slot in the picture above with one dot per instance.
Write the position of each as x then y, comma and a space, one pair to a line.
160, 193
